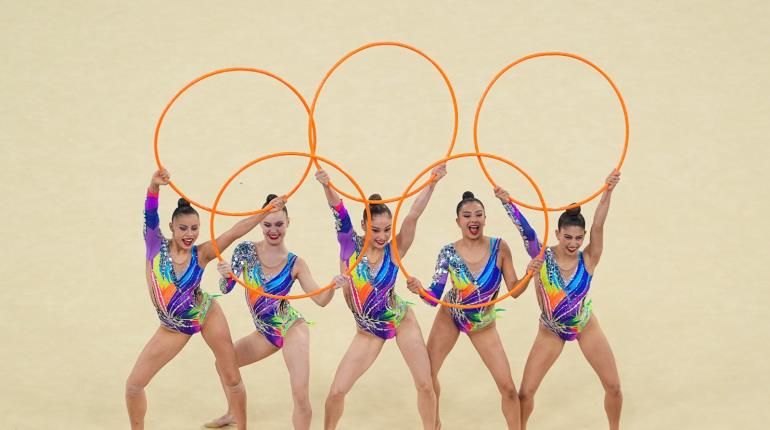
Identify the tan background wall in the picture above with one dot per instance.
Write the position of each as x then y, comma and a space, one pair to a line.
681, 292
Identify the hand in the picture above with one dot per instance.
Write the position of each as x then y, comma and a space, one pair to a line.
224, 269
340, 281
503, 195
534, 265
612, 180
438, 172
322, 177
277, 204
414, 285
160, 177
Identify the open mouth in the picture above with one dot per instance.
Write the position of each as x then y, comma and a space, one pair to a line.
380, 242
187, 242
474, 229
273, 236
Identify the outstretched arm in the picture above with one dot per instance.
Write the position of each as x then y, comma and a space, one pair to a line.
152, 235
593, 251
331, 196
406, 233
206, 250
528, 234
509, 273
309, 284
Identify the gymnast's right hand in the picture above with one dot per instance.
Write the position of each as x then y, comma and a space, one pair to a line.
414, 285
160, 177
322, 177
503, 195
224, 269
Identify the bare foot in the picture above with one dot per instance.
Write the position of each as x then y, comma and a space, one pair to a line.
223, 421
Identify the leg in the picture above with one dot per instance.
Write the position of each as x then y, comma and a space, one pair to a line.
361, 353
162, 347
597, 352
249, 349
216, 333
412, 346
296, 354
489, 346
545, 351
442, 338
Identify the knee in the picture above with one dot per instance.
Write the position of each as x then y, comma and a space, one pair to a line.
613, 390
302, 404
134, 389
425, 387
526, 395
508, 391
336, 394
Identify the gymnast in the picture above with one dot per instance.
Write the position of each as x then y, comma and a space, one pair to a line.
477, 264
380, 314
268, 266
562, 293
174, 268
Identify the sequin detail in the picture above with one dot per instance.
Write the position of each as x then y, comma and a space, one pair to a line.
376, 308
272, 317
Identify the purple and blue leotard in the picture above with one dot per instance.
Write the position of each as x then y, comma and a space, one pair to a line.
376, 308
178, 299
564, 303
272, 317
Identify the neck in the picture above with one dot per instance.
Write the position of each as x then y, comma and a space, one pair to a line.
279, 247
473, 242
175, 249
561, 254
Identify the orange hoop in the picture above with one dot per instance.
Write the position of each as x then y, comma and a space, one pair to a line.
312, 157
394, 242
311, 124
551, 54
208, 75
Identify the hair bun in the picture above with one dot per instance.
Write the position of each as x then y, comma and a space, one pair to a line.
468, 195
182, 203
270, 198
375, 196
573, 211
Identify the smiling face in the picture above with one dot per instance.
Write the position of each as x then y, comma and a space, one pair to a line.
570, 238
274, 227
381, 230
184, 230
471, 220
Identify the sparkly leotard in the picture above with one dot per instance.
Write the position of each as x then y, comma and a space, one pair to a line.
272, 317
564, 304
179, 300
376, 308
467, 288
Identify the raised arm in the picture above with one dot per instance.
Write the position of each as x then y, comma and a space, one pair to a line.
206, 250
346, 236
593, 251
152, 235
309, 284
243, 256
406, 233
528, 234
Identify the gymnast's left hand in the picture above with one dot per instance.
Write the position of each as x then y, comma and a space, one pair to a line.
340, 281
534, 265
612, 180
414, 285
501, 194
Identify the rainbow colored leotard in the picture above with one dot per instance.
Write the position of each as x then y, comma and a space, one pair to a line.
468, 289
179, 301
376, 308
564, 304
272, 317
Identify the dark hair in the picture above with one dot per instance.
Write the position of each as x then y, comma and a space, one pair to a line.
376, 208
183, 208
468, 197
270, 198
572, 217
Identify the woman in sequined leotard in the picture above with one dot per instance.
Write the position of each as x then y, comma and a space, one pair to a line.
174, 268
562, 293
477, 264
379, 313
268, 266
